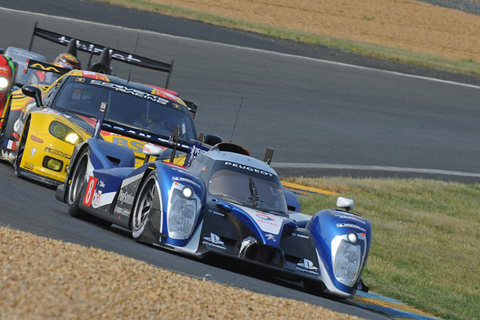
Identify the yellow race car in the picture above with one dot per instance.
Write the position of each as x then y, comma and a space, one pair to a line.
44, 123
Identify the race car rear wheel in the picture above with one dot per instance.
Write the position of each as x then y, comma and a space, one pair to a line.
21, 149
77, 182
143, 205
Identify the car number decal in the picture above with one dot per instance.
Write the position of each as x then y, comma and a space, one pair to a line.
87, 198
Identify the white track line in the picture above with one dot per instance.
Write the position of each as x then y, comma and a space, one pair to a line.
249, 49
285, 164
293, 165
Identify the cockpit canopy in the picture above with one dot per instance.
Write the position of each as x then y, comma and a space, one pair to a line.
241, 180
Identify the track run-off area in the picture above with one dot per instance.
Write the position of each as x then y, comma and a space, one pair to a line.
321, 117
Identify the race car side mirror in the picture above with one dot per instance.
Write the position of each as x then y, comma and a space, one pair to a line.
33, 92
345, 203
150, 149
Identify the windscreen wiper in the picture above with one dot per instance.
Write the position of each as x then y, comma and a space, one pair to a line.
253, 193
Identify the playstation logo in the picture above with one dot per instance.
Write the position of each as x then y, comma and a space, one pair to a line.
307, 264
214, 239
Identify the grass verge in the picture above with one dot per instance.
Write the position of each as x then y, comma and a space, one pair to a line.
467, 66
425, 243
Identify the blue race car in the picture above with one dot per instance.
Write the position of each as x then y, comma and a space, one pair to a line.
222, 201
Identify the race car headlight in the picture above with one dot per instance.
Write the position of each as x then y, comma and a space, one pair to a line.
182, 212
63, 132
3, 83
187, 192
347, 262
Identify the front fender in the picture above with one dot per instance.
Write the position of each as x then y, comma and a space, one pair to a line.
330, 230
175, 223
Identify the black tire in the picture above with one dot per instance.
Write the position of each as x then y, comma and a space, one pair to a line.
314, 287
143, 205
78, 180
21, 149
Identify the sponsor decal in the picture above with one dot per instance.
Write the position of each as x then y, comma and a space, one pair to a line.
300, 235
125, 197
29, 166
164, 94
264, 216
344, 215
307, 266
134, 92
214, 241
267, 222
248, 168
89, 192
196, 151
122, 211
183, 179
58, 153
136, 146
270, 237
94, 75
96, 199
350, 225
45, 68
217, 213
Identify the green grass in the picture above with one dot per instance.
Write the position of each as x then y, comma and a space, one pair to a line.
426, 239
465, 66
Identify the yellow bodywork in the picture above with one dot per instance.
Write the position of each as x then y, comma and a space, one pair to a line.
48, 156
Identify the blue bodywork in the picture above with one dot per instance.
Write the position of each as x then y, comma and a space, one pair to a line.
327, 251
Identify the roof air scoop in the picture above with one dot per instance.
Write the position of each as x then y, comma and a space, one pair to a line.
230, 147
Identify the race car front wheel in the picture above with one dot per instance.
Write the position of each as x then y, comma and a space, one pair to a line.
77, 182
143, 205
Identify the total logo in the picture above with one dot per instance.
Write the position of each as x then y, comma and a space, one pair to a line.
264, 216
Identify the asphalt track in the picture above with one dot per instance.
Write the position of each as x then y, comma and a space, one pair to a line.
311, 111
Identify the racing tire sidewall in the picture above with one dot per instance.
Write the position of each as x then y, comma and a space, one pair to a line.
77, 184
141, 203
20, 151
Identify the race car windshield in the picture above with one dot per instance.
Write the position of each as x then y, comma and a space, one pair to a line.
126, 106
264, 193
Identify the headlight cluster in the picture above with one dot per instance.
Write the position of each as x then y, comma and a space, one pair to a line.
347, 258
63, 132
3, 83
182, 211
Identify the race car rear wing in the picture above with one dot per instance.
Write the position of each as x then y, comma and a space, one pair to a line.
97, 49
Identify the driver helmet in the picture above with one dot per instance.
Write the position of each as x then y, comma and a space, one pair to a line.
67, 60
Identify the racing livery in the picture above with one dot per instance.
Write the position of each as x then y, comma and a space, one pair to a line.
44, 123
220, 202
